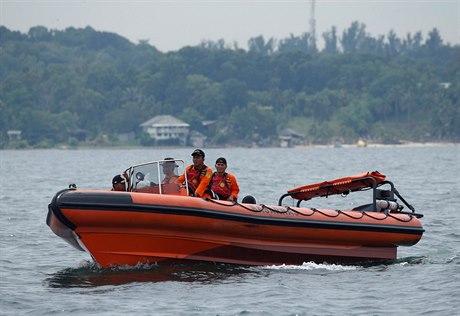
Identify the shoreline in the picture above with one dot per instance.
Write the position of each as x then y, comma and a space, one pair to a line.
367, 145
378, 145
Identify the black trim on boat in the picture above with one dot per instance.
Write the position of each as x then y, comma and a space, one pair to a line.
96, 198
53, 207
123, 202
99, 198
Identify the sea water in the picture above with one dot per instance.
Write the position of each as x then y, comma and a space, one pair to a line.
40, 274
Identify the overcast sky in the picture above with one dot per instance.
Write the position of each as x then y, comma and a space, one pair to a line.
170, 25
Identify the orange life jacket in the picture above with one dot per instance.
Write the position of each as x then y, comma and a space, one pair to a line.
169, 179
194, 177
221, 185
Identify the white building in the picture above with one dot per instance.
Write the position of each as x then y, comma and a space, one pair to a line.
14, 135
166, 129
289, 138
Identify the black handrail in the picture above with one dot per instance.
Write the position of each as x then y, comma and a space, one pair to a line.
404, 201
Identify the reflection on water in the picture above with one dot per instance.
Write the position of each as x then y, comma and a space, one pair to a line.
90, 275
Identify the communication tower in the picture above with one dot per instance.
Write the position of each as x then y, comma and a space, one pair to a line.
312, 24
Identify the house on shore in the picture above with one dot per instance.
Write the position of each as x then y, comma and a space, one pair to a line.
289, 138
167, 130
14, 135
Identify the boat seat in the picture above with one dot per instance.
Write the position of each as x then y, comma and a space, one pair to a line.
249, 199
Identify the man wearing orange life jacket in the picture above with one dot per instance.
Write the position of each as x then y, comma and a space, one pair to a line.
169, 166
198, 175
224, 184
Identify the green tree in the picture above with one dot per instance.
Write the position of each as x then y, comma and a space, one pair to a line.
331, 41
353, 37
394, 44
434, 42
300, 43
355, 120
192, 117
40, 125
259, 46
253, 122
107, 85
235, 93
39, 33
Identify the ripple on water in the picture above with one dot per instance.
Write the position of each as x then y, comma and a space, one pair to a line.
90, 274
40, 274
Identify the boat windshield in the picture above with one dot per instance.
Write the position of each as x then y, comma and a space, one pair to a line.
158, 177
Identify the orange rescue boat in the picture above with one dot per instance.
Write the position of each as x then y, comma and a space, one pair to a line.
159, 223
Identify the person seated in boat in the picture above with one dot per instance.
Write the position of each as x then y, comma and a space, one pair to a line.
224, 184
119, 183
169, 166
198, 175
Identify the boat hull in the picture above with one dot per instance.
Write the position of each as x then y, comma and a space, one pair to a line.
130, 228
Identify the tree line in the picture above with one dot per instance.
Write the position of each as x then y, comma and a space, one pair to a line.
56, 85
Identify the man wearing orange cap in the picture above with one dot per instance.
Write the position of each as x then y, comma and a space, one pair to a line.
198, 175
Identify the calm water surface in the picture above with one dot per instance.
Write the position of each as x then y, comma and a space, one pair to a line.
42, 275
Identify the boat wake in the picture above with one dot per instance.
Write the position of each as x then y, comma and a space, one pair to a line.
409, 260
312, 266
338, 267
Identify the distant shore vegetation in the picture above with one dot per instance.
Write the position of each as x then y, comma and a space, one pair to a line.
81, 87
